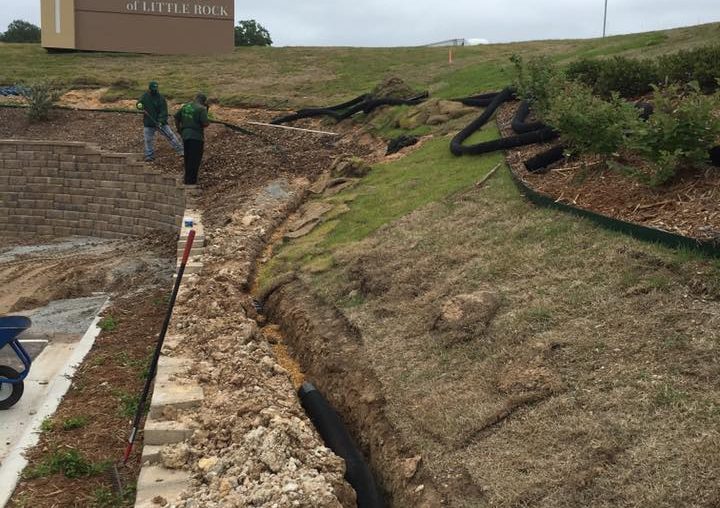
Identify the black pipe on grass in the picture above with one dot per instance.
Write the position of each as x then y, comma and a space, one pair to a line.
478, 101
340, 112
336, 437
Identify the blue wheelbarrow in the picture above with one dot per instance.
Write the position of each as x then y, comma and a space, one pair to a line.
11, 381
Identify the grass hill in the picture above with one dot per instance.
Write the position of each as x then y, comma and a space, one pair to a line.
290, 77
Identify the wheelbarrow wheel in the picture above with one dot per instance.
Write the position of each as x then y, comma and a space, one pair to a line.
9, 393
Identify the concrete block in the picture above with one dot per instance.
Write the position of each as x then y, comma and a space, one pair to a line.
160, 433
156, 481
192, 268
150, 455
173, 394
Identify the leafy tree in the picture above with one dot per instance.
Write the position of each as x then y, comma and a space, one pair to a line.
21, 31
251, 33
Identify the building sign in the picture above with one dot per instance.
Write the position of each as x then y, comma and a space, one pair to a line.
139, 26
178, 9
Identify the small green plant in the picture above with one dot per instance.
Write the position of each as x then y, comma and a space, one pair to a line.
103, 497
108, 323
74, 422
142, 365
679, 134
128, 403
535, 81
668, 396
47, 425
40, 98
68, 462
589, 124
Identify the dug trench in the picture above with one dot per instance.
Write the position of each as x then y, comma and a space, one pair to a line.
327, 348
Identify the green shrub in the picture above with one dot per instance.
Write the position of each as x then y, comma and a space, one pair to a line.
701, 65
40, 97
625, 76
679, 134
589, 124
633, 77
535, 81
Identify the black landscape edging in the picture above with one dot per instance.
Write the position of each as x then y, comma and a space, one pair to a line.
637, 231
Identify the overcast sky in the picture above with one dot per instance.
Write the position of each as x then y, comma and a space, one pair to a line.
414, 22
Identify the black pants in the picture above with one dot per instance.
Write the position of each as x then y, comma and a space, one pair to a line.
193, 158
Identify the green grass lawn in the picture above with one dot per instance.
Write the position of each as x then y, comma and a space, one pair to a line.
290, 77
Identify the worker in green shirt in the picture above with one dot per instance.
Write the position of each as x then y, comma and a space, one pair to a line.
191, 121
154, 107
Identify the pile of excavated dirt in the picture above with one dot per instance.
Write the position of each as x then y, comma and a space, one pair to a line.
434, 112
393, 88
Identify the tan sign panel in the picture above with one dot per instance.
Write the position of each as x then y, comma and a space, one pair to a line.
142, 26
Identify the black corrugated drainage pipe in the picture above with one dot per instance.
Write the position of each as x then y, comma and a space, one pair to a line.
540, 163
528, 138
336, 437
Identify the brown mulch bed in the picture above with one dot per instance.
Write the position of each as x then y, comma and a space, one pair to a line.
689, 205
104, 386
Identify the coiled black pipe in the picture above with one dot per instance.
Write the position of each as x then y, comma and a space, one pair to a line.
519, 126
646, 109
340, 112
541, 161
336, 437
370, 105
348, 104
478, 101
528, 138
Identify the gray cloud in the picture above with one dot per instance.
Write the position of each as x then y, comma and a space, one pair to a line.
413, 22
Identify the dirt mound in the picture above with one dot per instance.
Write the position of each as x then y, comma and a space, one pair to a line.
393, 88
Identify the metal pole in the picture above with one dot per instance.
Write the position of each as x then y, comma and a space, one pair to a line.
605, 20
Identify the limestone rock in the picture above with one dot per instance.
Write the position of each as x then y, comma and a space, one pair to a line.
175, 457
350, 167
467, 316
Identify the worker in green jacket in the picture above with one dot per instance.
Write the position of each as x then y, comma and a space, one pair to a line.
154, 107
191, 120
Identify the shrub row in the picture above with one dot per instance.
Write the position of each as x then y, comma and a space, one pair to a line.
634, 77
680, 134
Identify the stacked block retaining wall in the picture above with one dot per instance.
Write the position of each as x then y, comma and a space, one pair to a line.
67, 188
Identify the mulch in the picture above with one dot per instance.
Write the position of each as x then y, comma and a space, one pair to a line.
112, 370
689, 205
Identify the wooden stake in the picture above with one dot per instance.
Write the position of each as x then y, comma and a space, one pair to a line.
487, 177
